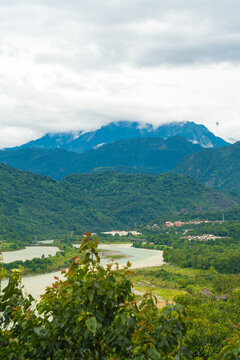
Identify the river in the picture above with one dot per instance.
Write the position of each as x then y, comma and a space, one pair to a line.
29, 253
36, 284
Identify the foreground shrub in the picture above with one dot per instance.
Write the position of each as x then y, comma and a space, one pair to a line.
91, 314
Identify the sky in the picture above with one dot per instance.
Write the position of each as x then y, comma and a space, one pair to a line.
78, 65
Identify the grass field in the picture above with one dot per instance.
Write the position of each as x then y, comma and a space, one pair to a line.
168, 281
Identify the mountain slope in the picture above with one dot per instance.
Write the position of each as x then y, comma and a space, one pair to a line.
219, 168
35, 204
52, 141
114, 131
138, 198
152, 155
198, 134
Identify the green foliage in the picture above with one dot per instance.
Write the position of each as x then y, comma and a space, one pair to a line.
218, 168
222, 254
231, 351
166, 279
226, 229
226, 260
158, 240
92, 314
213, 326
34, 204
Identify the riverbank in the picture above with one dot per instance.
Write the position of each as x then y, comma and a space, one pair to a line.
9, 247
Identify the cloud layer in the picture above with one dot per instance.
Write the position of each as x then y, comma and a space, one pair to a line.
71, 65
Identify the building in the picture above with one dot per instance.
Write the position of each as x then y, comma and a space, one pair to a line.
169, 224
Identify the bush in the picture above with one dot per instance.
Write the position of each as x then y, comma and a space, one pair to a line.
92, 314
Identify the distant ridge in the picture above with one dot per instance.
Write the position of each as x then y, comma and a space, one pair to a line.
140, 155
81, 142
51, 141
218, 168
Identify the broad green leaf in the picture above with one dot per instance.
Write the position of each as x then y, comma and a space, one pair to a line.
90, 294
91, 324
154, 354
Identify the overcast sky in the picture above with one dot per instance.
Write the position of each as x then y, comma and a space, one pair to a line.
78, 64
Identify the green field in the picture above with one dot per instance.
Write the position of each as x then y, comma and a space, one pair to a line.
168, 281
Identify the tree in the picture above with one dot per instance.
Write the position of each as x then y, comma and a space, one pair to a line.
92, 314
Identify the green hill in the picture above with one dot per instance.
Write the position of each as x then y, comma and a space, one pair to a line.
218, 168
145, 155
35, 204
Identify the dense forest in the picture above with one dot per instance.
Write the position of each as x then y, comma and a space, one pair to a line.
37, 205
218, 168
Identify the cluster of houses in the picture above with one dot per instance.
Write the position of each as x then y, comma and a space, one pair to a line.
172, 224
180, 223
121, 233
204, 237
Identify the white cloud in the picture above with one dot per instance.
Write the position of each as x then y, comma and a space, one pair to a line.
71, 65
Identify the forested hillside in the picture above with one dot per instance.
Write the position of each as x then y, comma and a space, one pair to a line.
149, 155
34, 204
218, 168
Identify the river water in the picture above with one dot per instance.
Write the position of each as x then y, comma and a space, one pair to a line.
36, 284
138, 257
29, 253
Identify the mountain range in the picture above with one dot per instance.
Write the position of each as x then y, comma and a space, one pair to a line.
142, 155
114, 131
35, 204
129, 147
